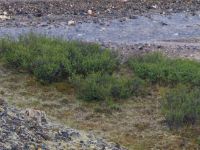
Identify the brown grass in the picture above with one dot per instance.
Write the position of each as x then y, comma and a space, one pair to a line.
137, 125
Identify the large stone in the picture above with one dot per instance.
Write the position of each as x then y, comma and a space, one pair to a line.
2, 101
37, 115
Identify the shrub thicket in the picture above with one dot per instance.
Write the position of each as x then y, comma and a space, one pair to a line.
160, 69
51, 59
91, 70
181, 106
125, 88
97, 86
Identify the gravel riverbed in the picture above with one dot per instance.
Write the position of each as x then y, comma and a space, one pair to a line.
99, 9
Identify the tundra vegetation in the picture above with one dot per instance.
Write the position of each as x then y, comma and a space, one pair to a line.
97, 74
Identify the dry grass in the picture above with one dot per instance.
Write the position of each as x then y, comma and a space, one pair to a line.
138, 124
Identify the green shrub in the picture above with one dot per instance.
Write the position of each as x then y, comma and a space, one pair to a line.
125, 88
95, 87
198, 140
99, 86
51, 59
160, 69
91, 58
181, 106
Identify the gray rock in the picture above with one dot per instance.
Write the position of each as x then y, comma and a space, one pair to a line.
24, 129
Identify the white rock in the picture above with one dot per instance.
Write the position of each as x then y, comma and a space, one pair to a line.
176, 34
154, 6
103, 29
5, 13
90, 12
71, 23
3, 17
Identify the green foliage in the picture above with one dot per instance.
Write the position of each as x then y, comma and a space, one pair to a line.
97, 86
159, 69
91, 58
198, 140
181, 106
51, 59
125, 88
113, 105
90, 69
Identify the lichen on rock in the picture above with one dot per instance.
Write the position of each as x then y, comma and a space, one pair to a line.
29, 129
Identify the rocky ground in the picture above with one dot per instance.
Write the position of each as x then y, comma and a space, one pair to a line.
95, 9
30, 130
52, 11
185, 48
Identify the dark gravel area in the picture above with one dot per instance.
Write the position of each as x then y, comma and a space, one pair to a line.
107, 9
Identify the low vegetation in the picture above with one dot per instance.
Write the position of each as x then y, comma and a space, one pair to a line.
181, 103
157, 68
99, 86
51, 59
181, 106
94, 72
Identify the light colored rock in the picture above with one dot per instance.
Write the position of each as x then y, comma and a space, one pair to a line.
4, 17
37, 115
5, 13
1, 101
124, 0
20, 133
1, 109
71, 23
155, 6
90, 12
